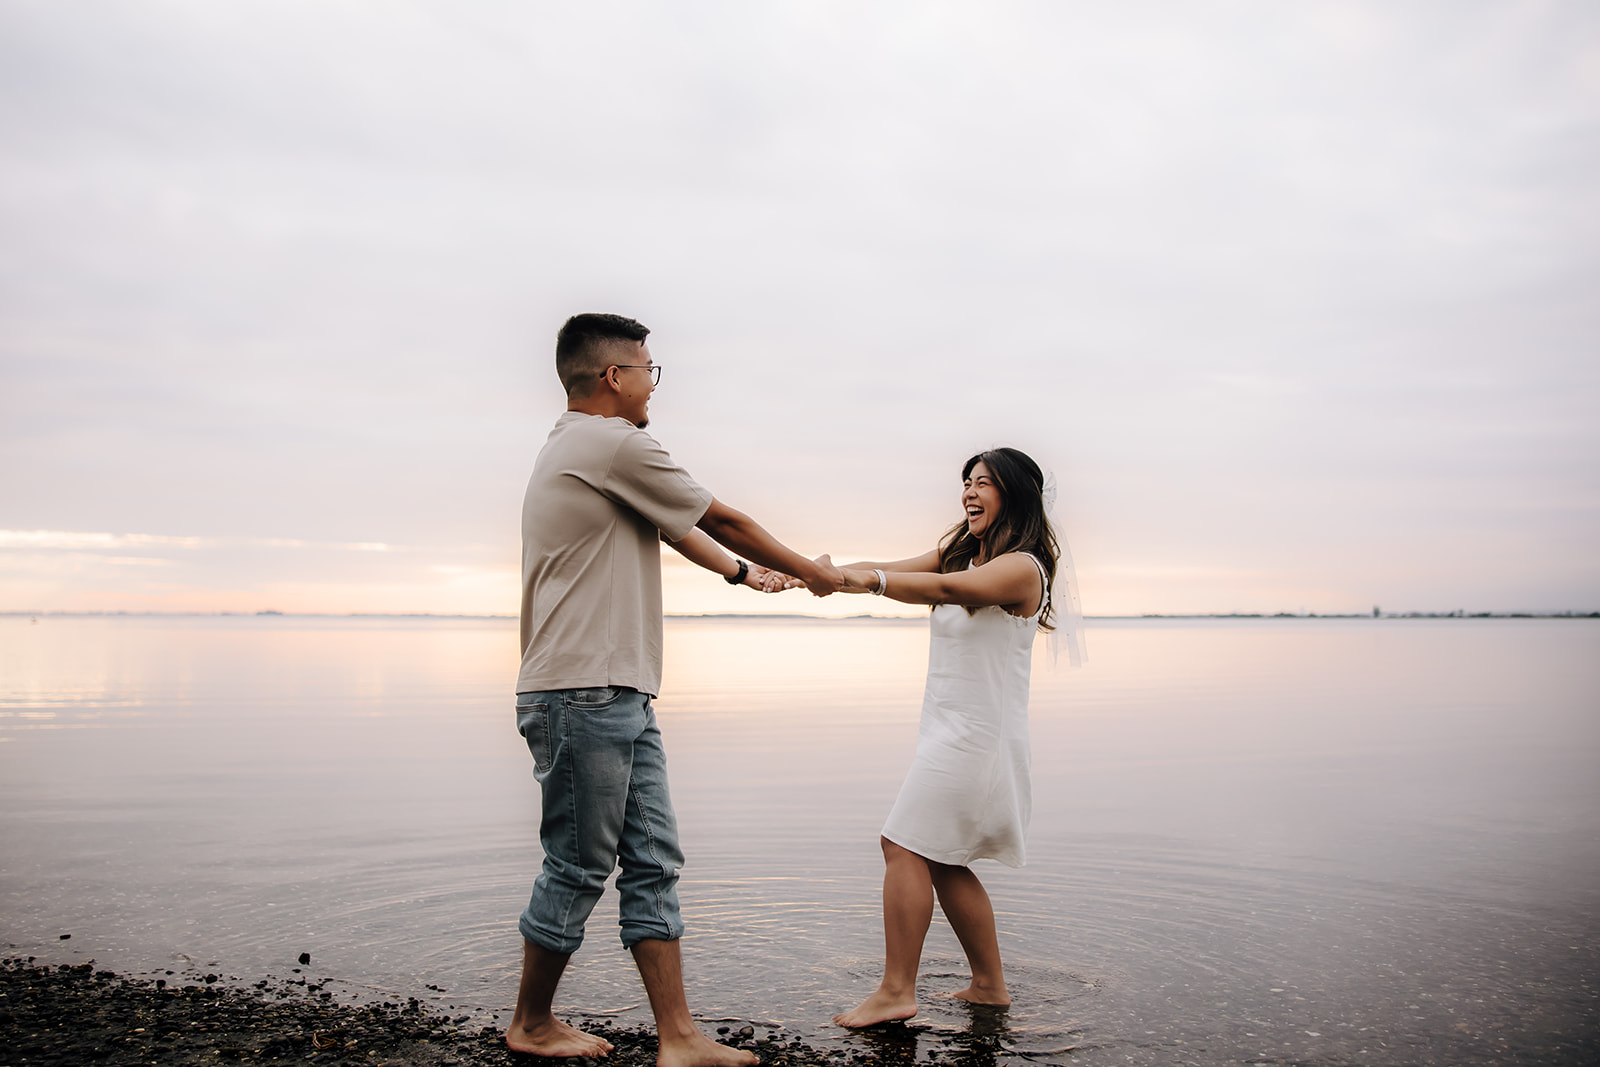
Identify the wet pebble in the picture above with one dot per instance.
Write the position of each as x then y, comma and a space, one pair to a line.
65, 1014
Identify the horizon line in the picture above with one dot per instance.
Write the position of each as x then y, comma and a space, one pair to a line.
792, 616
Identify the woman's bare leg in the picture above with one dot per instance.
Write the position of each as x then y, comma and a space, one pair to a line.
907, 911
966, 905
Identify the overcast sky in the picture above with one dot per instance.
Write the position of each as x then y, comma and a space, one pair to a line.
1297, 300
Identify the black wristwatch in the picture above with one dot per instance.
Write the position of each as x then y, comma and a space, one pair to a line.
738, 579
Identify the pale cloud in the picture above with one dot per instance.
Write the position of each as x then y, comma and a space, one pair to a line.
79, 570
1296, 299
72, 562
69, 539
354, 546
73, 539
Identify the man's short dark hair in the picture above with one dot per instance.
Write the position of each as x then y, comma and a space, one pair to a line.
581, 348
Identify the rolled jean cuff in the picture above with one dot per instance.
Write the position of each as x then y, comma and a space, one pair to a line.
558, 943
633, 933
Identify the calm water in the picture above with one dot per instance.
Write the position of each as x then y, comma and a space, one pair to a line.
1325, 841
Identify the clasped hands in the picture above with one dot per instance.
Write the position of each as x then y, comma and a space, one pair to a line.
830, 579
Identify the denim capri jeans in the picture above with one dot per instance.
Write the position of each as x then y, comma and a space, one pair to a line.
602, 774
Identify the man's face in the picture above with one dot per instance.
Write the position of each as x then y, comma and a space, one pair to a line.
635, 383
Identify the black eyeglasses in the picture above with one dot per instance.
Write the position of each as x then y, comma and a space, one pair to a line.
653, 368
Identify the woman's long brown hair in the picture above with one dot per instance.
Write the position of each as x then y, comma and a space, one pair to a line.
1021, 525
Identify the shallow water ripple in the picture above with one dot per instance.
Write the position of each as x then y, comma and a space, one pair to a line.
1294, 840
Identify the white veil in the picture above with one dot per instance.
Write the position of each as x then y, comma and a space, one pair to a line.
1069, 608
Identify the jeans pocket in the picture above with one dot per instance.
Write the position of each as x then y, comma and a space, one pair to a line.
533, 723
594, 697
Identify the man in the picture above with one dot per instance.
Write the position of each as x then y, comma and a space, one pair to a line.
602, 497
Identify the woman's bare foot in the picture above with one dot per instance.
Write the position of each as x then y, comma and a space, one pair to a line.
552, 1037
700, 1051
881, 1007
992, 998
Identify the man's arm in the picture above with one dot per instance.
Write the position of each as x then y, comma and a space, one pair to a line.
700, 550
739, 532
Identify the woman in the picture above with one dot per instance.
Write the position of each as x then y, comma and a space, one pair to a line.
967, 795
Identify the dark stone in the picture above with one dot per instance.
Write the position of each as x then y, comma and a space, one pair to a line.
74, 1015
305, 958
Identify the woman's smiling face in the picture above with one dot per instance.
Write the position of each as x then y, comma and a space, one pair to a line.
980, 496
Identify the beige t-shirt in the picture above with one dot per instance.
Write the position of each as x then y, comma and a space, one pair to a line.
602, 495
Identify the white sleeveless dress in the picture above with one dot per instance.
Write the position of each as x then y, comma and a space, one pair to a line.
968, 795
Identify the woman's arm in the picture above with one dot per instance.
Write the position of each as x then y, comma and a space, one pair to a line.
1012, 582
928, 561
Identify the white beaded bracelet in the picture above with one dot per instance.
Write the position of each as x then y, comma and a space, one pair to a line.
883, 583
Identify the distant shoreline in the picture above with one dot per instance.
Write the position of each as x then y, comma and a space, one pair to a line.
800, 617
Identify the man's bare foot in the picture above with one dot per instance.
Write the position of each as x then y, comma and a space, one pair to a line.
881, 1007
552, 1037
699, 1050
990, 998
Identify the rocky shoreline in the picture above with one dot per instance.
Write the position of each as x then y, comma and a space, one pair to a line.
74, 1014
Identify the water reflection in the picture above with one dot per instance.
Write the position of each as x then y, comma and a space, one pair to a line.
958, 1034
1286, 840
